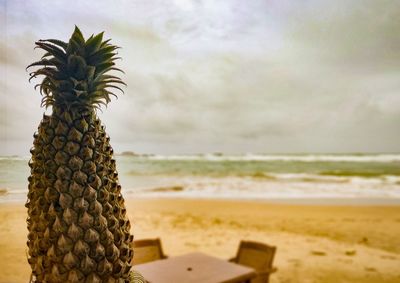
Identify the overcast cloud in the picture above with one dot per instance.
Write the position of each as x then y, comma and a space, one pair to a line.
226, 76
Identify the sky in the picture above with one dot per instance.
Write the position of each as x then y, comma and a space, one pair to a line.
222, 76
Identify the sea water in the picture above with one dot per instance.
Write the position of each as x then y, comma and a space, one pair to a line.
247, 176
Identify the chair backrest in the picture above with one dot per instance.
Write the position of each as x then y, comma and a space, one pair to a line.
256, 255
147, 250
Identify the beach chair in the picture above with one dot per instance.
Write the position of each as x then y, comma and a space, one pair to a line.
147, 250
258, 256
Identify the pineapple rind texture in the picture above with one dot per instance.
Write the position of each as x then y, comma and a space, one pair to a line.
78, 226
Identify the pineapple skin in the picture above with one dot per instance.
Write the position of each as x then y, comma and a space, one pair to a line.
77, 222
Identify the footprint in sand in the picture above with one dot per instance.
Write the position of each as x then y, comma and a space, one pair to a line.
350, 252
389, 257
371, 269
318, 253
364, 240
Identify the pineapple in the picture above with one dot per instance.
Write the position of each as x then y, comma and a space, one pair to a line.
77, 221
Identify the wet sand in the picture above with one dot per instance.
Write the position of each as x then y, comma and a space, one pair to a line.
316, 243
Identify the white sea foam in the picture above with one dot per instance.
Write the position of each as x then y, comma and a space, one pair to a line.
282, 186
255, 188
18, 158
278, 157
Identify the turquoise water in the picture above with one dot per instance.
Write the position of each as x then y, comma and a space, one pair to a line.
239, 176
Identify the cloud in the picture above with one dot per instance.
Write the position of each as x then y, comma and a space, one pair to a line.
265, 76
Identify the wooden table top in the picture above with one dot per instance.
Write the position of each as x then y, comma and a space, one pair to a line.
194, 268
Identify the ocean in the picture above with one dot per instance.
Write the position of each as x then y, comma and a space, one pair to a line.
246, 177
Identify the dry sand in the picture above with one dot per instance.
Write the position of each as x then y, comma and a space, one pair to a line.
315, 243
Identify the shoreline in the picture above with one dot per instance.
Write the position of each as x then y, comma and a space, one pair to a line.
289, 201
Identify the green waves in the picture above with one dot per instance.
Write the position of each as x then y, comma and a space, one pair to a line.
260, 169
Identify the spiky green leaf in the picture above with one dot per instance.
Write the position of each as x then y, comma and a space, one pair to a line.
53, 50
94, 43
57, 42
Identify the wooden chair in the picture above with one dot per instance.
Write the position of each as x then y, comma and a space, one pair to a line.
258, 256
147, 250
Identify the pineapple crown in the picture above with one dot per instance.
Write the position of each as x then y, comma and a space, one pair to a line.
75, 73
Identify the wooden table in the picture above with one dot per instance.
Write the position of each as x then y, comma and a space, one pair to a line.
194, 268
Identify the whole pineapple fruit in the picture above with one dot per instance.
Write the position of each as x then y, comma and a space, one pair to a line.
77, 222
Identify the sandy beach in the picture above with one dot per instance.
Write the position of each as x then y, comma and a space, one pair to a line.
316, 243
